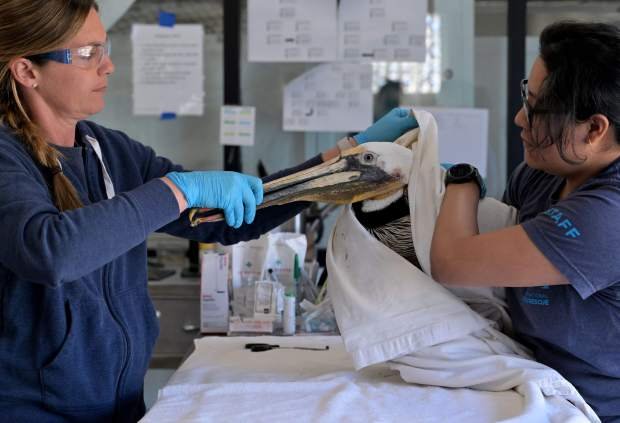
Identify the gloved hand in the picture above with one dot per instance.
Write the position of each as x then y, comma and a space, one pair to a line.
235, 193
389, 127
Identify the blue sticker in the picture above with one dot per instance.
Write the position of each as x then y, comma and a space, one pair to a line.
168, 116
167, 19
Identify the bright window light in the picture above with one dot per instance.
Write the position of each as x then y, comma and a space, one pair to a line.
415, 77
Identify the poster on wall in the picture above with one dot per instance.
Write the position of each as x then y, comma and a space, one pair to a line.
292, 31
237, 125
382, 30
167, 70
463, 135
334, 97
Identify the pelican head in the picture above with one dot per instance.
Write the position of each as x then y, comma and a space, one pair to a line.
374, 170
371, 170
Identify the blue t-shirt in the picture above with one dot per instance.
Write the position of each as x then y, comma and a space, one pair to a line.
573, 328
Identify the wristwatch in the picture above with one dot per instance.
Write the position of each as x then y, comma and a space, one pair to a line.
464, 172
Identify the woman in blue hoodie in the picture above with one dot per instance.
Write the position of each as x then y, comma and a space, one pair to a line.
77, 203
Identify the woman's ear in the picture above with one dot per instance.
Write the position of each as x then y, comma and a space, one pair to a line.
24, 72
598, 128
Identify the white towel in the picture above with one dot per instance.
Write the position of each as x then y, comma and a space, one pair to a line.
221, 381
387, 309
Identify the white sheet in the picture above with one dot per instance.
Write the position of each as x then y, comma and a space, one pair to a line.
222, 382
387, 309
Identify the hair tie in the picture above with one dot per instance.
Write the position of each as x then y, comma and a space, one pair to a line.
57, 169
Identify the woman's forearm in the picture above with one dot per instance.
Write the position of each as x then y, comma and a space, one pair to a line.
456, 222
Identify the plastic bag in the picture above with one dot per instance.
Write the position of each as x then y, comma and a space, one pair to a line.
318, 317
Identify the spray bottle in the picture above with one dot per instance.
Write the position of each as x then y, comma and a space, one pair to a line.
290, 300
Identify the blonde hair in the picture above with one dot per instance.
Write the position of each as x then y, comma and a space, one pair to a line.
30, 27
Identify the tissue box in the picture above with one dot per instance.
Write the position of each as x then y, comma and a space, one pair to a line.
214, 303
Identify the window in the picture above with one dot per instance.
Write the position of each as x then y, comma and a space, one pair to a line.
424, 78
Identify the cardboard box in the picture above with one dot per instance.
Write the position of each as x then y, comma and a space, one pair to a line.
214, 302
240, 325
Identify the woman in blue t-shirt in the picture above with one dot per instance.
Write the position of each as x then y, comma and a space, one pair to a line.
560, 262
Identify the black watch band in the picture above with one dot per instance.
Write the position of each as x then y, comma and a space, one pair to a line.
462, 173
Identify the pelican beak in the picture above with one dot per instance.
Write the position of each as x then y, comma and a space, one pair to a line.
351, 177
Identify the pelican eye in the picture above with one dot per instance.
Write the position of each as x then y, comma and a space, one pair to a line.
368, 158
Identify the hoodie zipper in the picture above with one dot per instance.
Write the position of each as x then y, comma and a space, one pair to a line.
94, 195
126, 346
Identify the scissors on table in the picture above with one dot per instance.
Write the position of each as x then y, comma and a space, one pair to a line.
266, 347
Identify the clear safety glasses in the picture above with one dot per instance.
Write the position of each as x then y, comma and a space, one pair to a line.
526, 104
86, 57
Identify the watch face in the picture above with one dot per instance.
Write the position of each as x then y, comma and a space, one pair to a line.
464, 172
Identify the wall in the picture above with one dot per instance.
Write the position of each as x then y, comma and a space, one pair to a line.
476, 78
192, 141
491, 56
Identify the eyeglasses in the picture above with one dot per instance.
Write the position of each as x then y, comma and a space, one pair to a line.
85, 57
526, 104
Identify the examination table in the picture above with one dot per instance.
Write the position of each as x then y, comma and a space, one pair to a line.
221, 381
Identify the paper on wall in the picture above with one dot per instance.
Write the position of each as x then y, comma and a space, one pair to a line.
334, 97
382, 30
167, 69
237, 125
292, 30
463, 135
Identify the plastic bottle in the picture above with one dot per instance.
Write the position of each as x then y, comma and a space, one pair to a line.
288, 318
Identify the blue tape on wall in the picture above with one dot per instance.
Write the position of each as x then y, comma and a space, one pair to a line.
167, 19
168, 116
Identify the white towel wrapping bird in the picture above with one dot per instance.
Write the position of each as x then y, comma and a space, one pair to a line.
389, 310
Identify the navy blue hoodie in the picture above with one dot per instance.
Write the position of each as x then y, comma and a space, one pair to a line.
77, 326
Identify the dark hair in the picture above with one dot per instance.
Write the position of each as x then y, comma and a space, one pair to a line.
583, 64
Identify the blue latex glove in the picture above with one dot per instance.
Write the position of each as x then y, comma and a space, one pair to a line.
389, 127
235, 193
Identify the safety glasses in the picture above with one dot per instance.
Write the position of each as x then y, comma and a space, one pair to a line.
85, 57
526, 104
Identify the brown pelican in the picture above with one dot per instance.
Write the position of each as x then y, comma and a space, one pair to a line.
390, 223
373, 176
